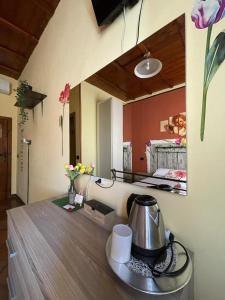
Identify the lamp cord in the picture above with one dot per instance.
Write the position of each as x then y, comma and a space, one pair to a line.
124, 28
98, 182
139, 21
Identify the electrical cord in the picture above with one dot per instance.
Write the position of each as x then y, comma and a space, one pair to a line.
124, 28
98, 182
157, 273
139, 21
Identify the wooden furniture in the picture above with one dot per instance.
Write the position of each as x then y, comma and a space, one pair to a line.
5, 158
168, 156
54, 254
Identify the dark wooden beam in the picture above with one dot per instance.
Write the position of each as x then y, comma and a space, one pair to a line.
131, 76
18, 29
181, 32
44, 7
10, 51
107, 86
9, 69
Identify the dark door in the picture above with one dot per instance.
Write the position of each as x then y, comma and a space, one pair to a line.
73, 158
5, 158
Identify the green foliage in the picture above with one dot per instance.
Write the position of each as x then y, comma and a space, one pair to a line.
20, 97
215, 57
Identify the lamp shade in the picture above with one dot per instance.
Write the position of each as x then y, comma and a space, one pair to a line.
148, 67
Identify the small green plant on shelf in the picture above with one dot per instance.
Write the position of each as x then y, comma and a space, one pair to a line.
20, 97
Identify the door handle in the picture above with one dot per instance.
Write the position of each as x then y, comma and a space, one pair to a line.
11, 251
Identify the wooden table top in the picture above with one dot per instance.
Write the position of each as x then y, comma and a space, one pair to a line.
66, 252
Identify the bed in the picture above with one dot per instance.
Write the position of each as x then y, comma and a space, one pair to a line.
166, 168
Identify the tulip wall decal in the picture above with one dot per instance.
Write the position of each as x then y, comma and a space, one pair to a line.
64, 99
206, 13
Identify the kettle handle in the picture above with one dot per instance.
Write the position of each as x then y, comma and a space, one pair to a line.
130, 201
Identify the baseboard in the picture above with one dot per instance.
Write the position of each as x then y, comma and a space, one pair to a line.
17, 198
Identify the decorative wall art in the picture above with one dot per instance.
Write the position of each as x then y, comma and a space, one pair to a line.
175, 125
64, 99
206, 13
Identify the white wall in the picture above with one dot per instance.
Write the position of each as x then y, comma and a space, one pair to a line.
70, 50
117, 134
90, 96
7, 109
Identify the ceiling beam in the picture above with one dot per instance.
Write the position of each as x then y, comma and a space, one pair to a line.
10, 51
44, 6
18, 29
107, 86
9, 69
131, 76
145, 49
181, 32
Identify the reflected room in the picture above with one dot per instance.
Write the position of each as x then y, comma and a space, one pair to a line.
129, 118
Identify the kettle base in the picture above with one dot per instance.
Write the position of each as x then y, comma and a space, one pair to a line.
149, 256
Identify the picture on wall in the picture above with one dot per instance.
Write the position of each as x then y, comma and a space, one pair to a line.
175, 124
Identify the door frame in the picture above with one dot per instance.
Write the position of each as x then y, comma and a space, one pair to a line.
9, 153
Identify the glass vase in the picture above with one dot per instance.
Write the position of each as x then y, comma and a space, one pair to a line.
71, 192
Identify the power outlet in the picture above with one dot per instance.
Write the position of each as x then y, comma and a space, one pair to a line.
105, 182
95, 178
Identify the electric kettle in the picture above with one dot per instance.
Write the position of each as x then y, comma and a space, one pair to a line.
146, 222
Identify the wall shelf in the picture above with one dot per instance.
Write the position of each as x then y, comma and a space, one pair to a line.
32, 99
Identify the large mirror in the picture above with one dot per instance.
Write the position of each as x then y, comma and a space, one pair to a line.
129, 118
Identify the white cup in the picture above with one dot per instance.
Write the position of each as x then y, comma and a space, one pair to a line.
121, 243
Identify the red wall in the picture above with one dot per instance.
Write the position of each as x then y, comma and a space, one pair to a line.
141, 122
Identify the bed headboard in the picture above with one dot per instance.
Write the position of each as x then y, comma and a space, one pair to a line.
168, 156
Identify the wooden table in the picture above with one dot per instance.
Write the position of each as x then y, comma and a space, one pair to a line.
61, 255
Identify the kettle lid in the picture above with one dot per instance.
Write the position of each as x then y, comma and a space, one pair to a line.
145, 200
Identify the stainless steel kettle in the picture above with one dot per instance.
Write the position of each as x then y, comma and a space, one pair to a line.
146, 222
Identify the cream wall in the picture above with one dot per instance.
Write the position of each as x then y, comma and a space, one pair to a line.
7, 109
80, 49
90, 96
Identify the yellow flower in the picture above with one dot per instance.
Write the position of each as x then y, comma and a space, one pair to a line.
89, 169
78, 165
184, 142
66, 166
82, 170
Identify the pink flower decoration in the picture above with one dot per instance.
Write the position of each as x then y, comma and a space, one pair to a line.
71, 167
181, 174
67, 91
64, 95
61, 97
178, 141
207, 12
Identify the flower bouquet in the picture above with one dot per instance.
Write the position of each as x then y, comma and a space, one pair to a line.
72, 172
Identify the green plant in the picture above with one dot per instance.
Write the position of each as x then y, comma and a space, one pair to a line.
20, 97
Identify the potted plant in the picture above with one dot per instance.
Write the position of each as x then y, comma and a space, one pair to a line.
20, 97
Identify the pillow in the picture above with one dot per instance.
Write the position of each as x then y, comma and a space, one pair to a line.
177, 174
161, 172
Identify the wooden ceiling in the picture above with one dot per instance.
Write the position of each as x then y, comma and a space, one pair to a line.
167, 45
21, 25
